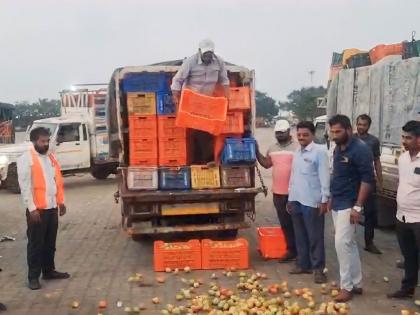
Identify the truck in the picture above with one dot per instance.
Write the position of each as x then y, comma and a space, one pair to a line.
156, 212
79, 138
388, 91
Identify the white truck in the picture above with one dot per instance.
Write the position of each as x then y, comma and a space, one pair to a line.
79, 138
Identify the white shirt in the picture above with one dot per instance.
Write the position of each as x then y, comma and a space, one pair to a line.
24, 168
408, 195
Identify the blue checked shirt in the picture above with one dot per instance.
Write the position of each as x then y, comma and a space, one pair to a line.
310, 178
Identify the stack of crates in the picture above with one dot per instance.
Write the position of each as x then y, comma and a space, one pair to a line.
238, 153
174, 174
158, 148
143, 91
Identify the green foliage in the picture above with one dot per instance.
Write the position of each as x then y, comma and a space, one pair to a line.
303, 102
25, 113
266, 105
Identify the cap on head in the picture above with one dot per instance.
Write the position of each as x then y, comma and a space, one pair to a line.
206, 45
282, 125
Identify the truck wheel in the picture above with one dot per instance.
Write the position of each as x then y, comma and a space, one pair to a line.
12, 183
228, 234
100, 173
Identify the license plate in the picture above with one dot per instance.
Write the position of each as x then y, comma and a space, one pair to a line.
190, 208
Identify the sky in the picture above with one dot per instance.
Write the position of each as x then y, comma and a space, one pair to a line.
48, 45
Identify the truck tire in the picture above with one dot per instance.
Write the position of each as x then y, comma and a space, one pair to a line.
12, 183
100, 173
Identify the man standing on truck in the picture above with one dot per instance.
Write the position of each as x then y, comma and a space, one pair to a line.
280, 157
350, 186
200, 73
408, 211
363, 123
41, 185
309, 192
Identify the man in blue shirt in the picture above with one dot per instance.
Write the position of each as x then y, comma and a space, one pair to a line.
309, 191
351, 184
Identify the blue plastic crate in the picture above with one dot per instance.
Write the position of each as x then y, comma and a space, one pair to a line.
165, 105
239, 151
174, 178
146, 82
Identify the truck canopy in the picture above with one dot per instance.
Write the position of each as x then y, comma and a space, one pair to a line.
114, 96
388, 91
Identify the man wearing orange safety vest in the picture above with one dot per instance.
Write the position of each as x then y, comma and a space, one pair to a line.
41, 185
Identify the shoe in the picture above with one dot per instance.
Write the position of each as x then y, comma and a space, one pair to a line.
343, 297
320, 277
400, 264
371, 248
401, 294
288, 257
34, 284
52, 275
299, 271
3, 307
357, 291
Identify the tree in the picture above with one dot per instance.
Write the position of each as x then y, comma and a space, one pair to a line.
266, 105
25, 113
303, 102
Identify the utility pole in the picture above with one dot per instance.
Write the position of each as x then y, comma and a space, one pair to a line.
311, 74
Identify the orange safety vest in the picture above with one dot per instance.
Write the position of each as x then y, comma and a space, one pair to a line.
39, 184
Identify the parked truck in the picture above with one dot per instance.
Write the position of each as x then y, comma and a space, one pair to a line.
153, 212
388, 91
79, 138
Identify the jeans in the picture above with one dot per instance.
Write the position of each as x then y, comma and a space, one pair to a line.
41, 243
409, 240
347, 251
370, 218
308, 225
280, 202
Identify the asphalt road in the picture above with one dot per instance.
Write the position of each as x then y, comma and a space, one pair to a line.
101, 257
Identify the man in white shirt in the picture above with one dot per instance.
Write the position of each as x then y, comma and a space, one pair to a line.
408, 213
41, 185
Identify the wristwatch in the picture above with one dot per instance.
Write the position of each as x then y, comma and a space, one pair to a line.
358, 208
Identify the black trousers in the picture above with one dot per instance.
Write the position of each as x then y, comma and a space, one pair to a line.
371, 218
203, 147
41, 243
409, 239
280, 202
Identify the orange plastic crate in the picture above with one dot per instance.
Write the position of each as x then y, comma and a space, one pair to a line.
240, 98
144, 162
271, 242
177, 255
143, 151
381, 51
172, 151
225, 254
234, 123
167, 128
142, 126
201, 112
